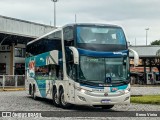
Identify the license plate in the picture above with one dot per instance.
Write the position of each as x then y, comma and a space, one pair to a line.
105, 101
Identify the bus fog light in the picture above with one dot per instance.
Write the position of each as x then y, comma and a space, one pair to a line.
126, 98
81, 98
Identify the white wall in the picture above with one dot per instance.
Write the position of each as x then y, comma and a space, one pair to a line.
5, 57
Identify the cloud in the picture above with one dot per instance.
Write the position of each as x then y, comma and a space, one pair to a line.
133, 15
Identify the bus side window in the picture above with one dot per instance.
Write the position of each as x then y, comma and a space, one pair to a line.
41, 72
68, 33
52, 72
68, 36
55, 72
73, 72
70, 66
59, 72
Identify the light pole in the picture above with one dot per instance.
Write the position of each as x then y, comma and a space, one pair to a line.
146, 34
54, 11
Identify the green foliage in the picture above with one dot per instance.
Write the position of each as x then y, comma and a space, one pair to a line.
156, 42
147, 99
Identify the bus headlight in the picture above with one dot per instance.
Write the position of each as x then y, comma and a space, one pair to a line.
82, 90
128, 90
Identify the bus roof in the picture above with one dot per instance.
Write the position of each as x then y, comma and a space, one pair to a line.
92, 24
43, 36
74, 24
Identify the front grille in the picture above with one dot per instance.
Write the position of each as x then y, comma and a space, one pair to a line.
103, 94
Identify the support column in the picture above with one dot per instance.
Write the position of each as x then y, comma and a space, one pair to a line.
12, 63
145, 75
150, 65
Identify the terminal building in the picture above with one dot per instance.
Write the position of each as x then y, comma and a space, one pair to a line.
148, 69
15, 33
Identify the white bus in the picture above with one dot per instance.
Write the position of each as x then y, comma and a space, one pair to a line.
73, 65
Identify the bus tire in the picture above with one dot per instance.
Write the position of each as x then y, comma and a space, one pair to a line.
55, 98
62, 102
107, 106
30, 89
33, 93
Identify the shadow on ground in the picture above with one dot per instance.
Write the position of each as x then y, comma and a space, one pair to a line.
75, 107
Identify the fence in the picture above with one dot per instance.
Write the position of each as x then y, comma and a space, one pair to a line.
12, 81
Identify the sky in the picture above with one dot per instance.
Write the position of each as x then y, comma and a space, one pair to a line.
134, 16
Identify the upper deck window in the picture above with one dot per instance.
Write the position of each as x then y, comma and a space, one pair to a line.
100, 35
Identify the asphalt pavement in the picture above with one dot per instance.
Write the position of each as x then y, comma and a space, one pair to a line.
21, 101
145, 90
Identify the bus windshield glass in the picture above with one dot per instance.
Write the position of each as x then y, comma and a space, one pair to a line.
103, 70
100, 35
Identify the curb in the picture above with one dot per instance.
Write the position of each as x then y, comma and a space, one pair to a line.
137, 95
145, 85
12, 89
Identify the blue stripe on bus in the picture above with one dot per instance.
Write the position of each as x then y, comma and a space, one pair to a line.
102, 54
41, 59
60, 61
42, 87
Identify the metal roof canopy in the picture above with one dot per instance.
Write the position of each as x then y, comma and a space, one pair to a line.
8, 39
146, 51
14, 30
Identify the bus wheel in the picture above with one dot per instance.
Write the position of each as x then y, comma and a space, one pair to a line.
63, 103
55, 98
33, 93
30, 89
107, 106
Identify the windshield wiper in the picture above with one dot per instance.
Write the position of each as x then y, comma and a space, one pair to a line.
120, 81
86, 82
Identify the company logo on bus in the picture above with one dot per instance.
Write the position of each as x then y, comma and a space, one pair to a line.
114, 89
119, 53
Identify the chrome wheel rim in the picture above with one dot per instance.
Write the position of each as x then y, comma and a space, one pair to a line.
34, 96
63, 100
56, 99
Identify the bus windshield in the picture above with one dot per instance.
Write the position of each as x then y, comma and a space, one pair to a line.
103, 70
100, 35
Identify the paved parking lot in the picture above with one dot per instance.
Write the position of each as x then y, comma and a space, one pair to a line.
21, 101
145, 90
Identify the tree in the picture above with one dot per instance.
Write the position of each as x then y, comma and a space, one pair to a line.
156, 42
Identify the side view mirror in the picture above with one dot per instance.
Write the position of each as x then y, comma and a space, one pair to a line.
136, 57
75, 55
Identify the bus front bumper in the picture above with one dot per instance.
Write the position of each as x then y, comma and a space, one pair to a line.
83, 98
